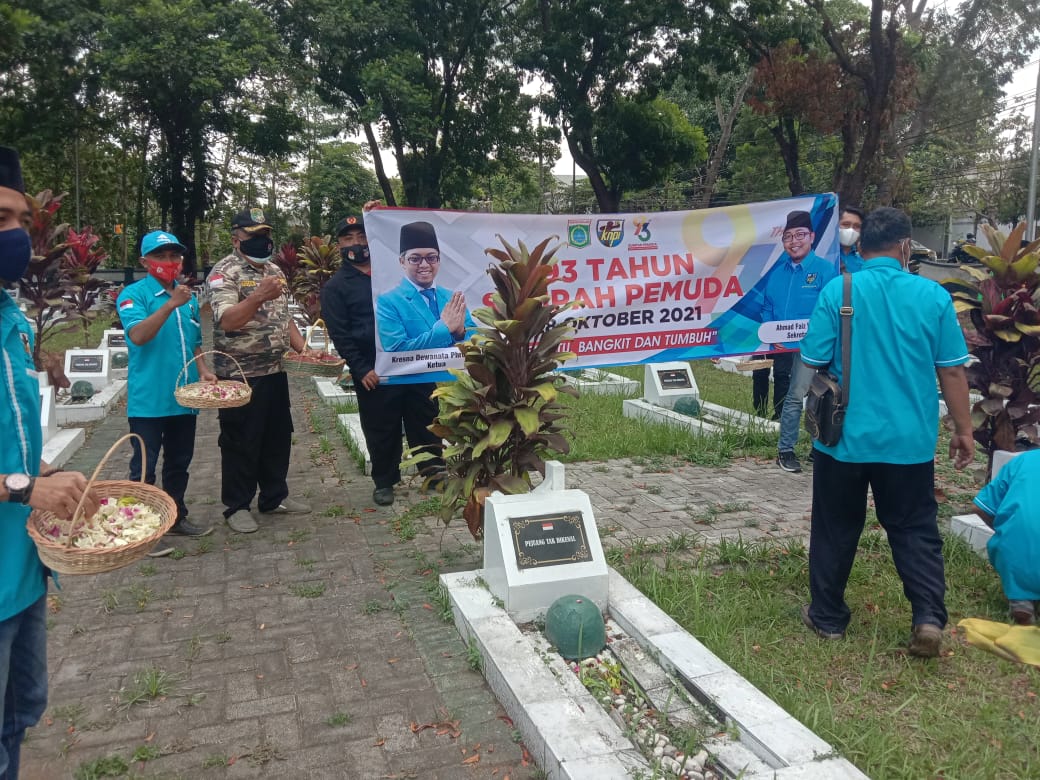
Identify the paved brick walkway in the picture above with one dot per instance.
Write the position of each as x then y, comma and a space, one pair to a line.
314, 648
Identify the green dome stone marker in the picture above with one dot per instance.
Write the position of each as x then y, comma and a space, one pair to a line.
575, 627
81, 390
120, 360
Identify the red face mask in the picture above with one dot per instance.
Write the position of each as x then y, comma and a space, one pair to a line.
164, 270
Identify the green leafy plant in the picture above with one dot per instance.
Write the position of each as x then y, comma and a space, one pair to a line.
1003, 333
501, 417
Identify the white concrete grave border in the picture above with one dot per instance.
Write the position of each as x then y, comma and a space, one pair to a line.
571, 735
972, 528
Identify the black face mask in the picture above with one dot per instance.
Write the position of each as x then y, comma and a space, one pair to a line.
258, 248
15, 254
355, 253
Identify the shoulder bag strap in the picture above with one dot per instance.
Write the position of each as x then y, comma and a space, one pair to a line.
846, 337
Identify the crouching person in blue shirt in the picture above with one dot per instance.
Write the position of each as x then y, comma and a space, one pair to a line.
1010, 504
163, 332
26, 483
904, 334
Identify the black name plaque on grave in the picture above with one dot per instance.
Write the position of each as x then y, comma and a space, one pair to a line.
86, 364
674, 379
549, 540
117, 339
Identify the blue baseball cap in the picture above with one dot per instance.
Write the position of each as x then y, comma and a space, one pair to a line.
159, 239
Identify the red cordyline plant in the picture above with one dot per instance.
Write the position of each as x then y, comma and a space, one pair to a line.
501, 416
59, 284
1003, 333
83, 256
319, 259
288, 259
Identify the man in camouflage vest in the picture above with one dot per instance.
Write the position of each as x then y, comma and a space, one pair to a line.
252, 324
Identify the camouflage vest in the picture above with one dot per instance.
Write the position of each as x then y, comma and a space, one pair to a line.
260, 344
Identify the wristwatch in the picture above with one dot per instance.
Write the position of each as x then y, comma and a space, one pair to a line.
19, 487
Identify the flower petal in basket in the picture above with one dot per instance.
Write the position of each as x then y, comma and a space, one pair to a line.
125, 535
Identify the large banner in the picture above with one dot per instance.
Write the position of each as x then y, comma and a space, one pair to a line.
654, 287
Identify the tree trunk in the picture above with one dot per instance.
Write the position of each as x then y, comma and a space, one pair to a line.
377, 162
786, 134
719, 153
606, 199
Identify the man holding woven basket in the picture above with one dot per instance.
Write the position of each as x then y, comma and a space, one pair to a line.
163, 333
252, 325
26, 483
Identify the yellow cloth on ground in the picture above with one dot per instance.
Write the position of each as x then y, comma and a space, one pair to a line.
1015, 643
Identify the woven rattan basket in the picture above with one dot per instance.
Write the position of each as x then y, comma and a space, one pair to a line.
63, 558
186, 395
327, 365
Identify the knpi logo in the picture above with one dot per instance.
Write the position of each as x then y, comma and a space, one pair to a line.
610, 231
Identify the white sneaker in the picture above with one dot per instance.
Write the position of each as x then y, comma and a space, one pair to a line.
243, 522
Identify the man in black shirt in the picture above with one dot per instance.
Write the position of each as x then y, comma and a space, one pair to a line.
346, 306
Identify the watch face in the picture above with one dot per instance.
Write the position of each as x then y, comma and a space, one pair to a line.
17, 482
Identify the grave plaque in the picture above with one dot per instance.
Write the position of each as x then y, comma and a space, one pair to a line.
93, 365
86, 364
549, 540
666, 383
115, 339
674, 379
542, 545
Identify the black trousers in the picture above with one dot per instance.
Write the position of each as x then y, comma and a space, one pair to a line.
782, 365
254, 446
383, 410
175, 436
904, 498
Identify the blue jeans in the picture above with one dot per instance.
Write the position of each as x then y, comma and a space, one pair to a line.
23, 680
791, 416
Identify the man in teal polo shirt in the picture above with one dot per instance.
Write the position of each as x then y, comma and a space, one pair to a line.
26, 483
1010, 505
163, 332
850, 225
904, 333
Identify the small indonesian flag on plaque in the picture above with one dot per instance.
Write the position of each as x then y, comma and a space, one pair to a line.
547, 526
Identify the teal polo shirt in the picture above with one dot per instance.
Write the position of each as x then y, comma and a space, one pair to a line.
903, 328
1012, 498
853, 261
153, 368
22, 576
792, 289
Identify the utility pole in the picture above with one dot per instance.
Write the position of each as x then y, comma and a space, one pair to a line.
1031, 205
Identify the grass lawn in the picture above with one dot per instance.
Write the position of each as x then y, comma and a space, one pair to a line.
966, 715
65, 337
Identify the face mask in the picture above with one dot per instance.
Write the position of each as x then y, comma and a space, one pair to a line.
355, 253
15, 254
259, 249
848, 236
164, 270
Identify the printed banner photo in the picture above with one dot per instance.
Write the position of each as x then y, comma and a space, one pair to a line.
680, 285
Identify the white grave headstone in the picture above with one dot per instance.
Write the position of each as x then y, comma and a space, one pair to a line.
541, 545
666, 383
115, 342
48, 418
113, 339
92, 365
